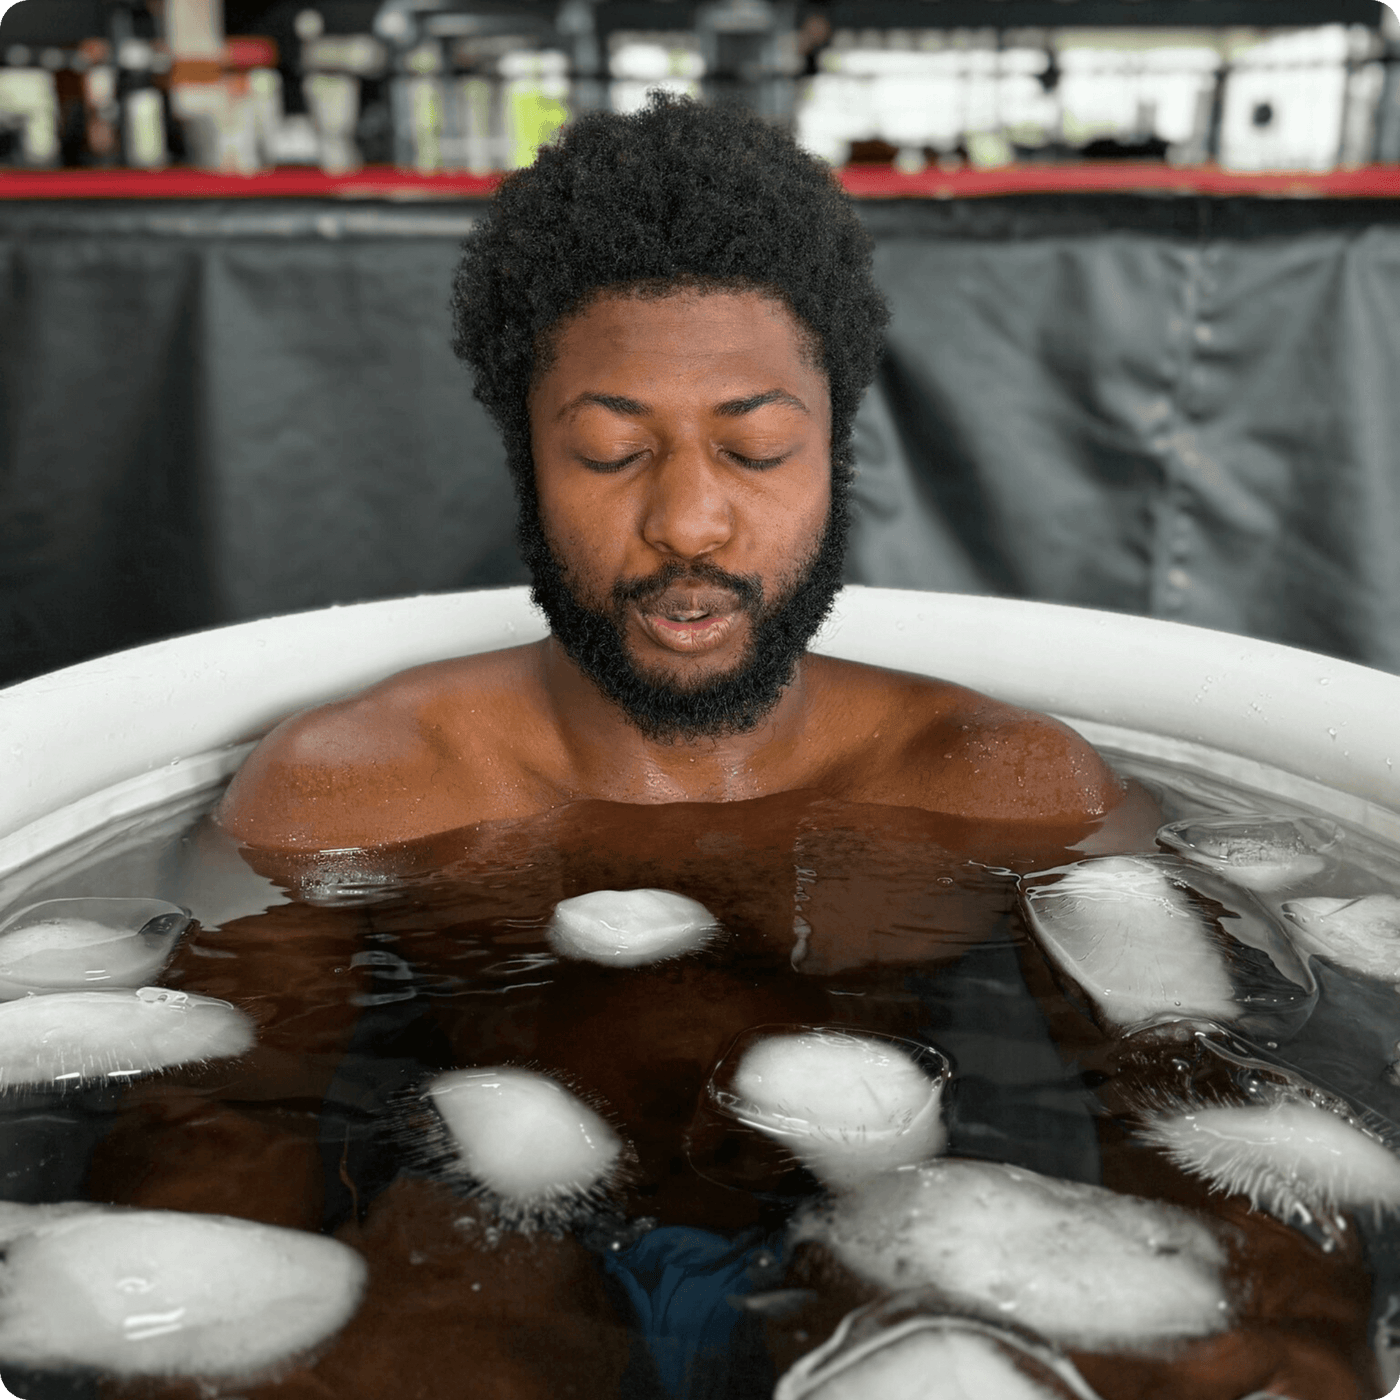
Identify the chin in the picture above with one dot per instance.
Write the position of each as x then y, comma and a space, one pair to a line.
685, 676
689, 671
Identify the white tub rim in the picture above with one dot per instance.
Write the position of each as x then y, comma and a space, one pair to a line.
114, 735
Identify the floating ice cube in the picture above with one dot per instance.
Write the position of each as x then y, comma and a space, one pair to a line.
67, 944
1362, 934
525, 1139
1261, 853
921, 1364
1291, 1157
847, 1106
155, 1292
629, 928
1078, 1264
1133, 939
69, 1038
902, 1346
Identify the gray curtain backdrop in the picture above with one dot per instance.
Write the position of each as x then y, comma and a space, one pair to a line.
1180, 407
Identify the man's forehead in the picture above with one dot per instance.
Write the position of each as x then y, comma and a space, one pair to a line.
737, 352
617, 310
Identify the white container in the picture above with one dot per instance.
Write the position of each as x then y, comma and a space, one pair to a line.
115, 736
29, 99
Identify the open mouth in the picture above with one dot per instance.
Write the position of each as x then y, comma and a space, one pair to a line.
689, 622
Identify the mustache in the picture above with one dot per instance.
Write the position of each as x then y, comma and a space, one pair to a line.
747, 589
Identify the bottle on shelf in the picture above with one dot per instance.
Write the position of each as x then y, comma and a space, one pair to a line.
29, 133
144, 143
252, 91
419, 107
194, 35
478, 91
265, 93
336, 68
101, 107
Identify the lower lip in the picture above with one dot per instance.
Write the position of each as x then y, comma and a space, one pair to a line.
705, 634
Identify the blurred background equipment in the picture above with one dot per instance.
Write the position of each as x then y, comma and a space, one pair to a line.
1128, 367
477, 85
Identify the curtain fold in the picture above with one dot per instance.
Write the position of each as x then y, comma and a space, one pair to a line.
1164, 405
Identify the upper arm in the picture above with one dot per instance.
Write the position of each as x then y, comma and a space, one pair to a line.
325, 779
999, 763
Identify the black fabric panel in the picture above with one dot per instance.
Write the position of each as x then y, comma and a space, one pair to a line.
102, 540
1175, 406
216, 414
1195, 423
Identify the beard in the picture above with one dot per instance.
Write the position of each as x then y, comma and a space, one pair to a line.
663, 708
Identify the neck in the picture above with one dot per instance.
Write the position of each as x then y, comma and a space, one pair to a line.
611, 757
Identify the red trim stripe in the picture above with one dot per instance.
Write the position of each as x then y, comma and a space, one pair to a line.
862, 181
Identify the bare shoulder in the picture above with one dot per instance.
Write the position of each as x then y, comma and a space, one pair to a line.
930, 743
398, 760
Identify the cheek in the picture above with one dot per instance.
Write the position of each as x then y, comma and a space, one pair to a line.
584, 535
807, 516
565, 513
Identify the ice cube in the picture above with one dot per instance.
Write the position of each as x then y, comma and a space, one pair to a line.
70, 1038
629, 928
535, 1147
68, 944
847, 1106
1078, 1264
166, 1293
1292, 1156
922, 1364
1261, 853
904, 1346
1360, 933
1132, 937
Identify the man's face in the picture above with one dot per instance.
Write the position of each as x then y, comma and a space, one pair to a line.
686, 546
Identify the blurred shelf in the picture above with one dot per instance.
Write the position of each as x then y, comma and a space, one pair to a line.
290, 182
1056, 14
862, 181
1120, 177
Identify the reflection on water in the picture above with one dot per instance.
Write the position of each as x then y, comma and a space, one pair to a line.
849, 1081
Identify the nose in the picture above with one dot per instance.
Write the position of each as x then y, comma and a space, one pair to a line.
688, 511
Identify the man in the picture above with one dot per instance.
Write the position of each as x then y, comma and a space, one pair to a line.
671, 318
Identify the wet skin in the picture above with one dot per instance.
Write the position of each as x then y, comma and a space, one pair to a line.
681, 428
674, 429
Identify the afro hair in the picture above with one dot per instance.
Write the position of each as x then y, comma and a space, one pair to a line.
676, 195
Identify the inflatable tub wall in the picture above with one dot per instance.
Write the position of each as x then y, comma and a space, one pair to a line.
108, 738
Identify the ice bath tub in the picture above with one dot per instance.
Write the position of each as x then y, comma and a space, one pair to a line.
108, 737
98, 744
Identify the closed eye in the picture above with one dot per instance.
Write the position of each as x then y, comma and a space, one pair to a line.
760, 464
609, 466
757, 464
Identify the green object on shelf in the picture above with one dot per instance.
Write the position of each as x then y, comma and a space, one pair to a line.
535, 116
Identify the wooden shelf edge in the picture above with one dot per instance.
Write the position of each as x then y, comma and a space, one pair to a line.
863, 182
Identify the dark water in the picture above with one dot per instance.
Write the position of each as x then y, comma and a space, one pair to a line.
433, 956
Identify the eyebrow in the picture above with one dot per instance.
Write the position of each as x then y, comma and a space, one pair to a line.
730, 408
